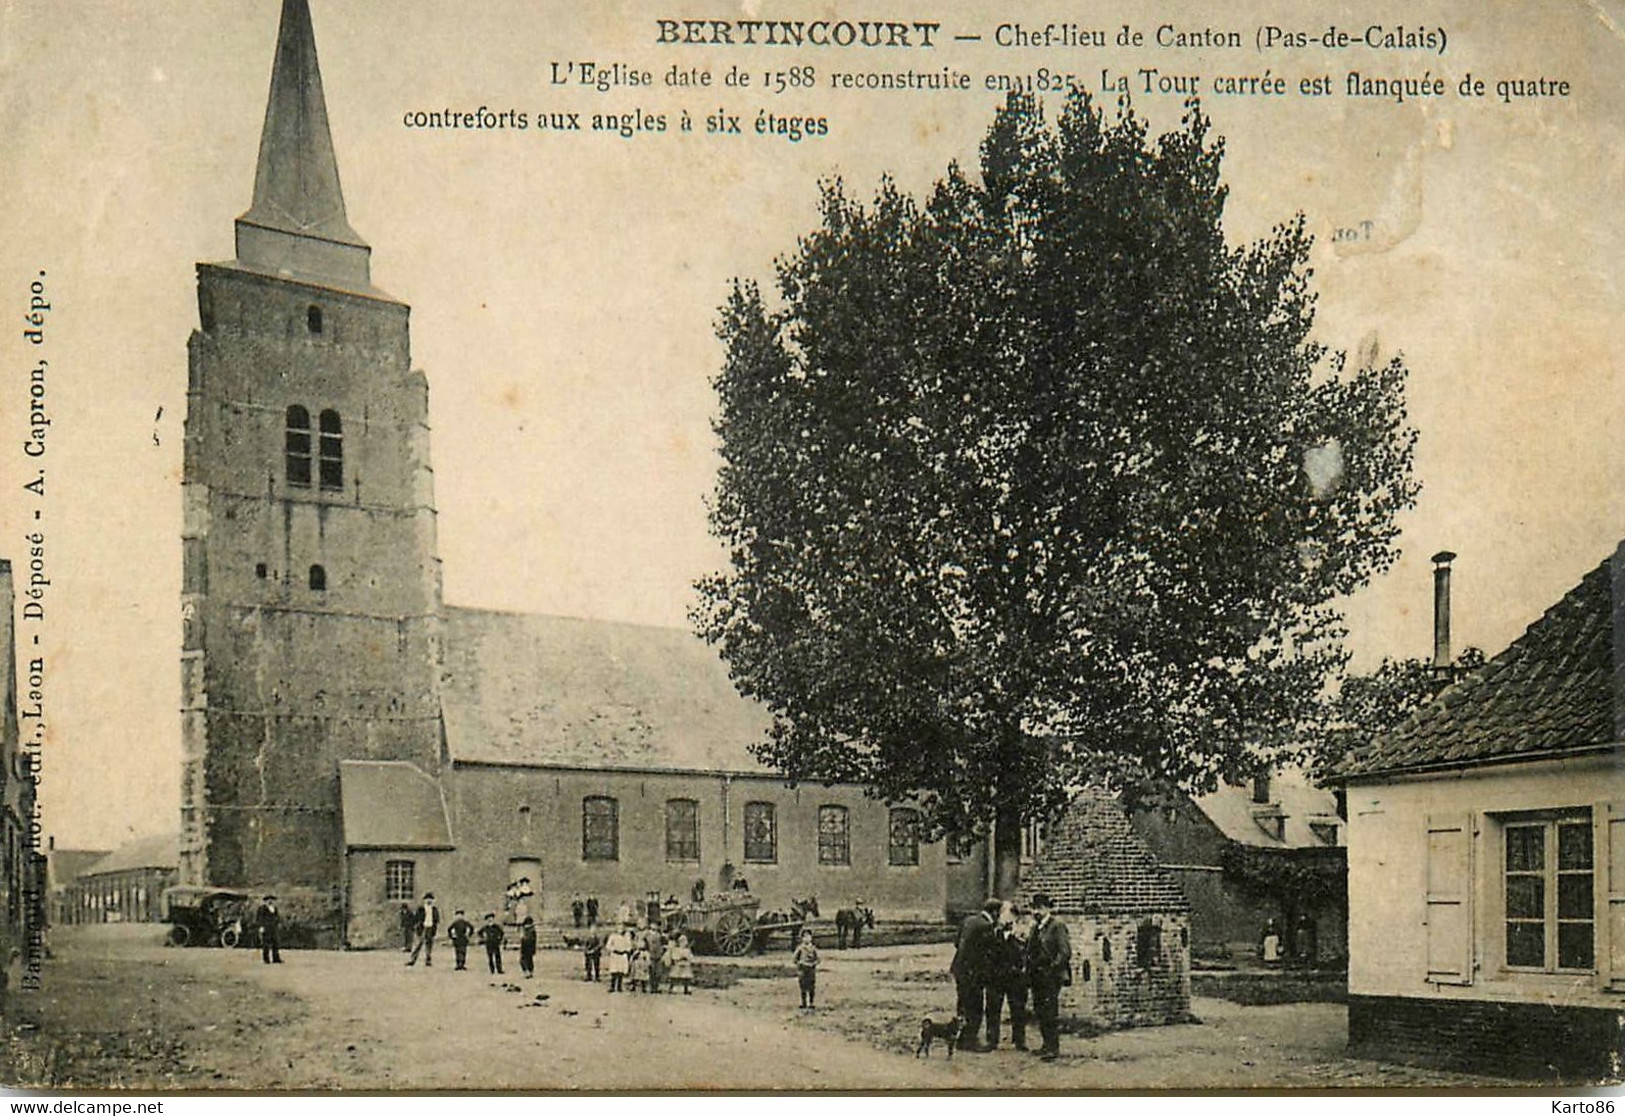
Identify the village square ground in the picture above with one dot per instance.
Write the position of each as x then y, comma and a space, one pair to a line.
120, 1010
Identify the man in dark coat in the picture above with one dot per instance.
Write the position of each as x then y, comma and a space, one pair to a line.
1049, 969
408, 928
460, 931
1007, 979
269, 923
973, 960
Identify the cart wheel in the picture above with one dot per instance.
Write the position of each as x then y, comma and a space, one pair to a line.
229, 937
179, 935
678, 921
733, 934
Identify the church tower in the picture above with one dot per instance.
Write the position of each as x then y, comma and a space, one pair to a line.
311, 583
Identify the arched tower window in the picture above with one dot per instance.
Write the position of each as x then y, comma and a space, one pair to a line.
313, 319
296, 446
332, 451
318, 578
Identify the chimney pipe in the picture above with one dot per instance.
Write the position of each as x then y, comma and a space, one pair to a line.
1441, 610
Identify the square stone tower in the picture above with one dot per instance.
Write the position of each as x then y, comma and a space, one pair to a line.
311, 582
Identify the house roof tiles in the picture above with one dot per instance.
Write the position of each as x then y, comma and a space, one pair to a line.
1556, 690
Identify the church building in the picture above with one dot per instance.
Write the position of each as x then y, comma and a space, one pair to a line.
350, 742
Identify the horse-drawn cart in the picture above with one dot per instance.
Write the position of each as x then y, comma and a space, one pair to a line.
732, 923
724, 924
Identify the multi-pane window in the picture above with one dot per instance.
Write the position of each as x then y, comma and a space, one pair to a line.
400, 879
903, 836
296, 446
600, 829
331, 448
761, 833
834, 835
682, 829
1548, 880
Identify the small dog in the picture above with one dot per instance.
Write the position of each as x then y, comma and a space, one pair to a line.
948, 1032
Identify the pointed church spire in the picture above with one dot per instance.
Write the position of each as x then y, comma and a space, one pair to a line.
297, 223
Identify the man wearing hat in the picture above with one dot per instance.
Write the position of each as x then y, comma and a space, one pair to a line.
269, 922
1049, 968
427, 921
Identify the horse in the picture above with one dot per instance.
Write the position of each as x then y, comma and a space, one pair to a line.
853, 918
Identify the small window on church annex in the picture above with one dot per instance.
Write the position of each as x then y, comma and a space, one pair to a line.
318, 579
313, 319
332, 451
296, 446
260, 571
399, 879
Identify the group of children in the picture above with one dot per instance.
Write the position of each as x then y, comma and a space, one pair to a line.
641, 959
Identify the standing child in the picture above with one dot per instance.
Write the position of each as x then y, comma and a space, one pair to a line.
637, 974
619, 948
592, 952
680, 958
527, 947
806, 959
654, 943
491, 939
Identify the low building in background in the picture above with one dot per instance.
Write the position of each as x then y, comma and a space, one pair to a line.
125, 885
1269, 851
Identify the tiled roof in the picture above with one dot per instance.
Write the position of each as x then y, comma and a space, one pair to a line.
1556, 690
559, 692
1094, 863
391, 805
162, 851
1298, 802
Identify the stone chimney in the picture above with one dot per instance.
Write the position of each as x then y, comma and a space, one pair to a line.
1441, 610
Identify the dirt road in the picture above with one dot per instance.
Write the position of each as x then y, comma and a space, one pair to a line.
120, 1010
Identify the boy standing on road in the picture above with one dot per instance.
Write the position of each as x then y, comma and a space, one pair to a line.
460, 931
527, 947
491, 939
806, 959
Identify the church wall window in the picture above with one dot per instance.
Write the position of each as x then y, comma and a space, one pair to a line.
834, 835
400, 881
600, 828
903, 841
296, 446
761, 833
682, 829
331, 448
313, 319
318, 578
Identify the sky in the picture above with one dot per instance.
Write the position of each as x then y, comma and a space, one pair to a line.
564, 289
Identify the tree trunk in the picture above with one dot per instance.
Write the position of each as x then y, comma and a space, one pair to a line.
1006, 854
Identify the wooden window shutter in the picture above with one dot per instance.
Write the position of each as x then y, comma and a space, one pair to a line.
1449, 898
1611, 923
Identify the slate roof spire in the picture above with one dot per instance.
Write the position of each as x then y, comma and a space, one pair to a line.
297, 224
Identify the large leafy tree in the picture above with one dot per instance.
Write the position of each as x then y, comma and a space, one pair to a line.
1041, 480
